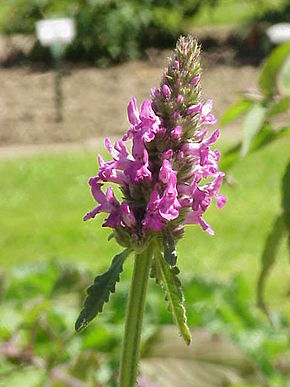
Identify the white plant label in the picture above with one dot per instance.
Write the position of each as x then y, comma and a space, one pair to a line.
279, 33
55, 31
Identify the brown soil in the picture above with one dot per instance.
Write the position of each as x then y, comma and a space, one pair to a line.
95, 99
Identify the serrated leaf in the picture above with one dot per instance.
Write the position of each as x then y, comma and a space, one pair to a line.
271, 67
167, 276
269, 256
284, 77
236, 110
253, 123
212, 361
111, 236
99, 292
170, 254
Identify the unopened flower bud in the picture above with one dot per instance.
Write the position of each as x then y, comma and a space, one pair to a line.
154, 92
180, 99
195, 80
176, 115
176, 64
166, 91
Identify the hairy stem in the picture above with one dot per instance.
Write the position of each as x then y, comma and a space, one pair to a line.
134, 318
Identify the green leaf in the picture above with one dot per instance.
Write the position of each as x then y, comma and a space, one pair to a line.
284, 78
236, 110
212, 361
269, 256
170, 254
253, 123
167, 277
281, 106
99, 292
271, 67
286, 201
266, 135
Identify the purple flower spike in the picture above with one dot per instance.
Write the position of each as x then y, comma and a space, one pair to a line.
169, 174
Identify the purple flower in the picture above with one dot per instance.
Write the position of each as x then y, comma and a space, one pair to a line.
176, 133
206, 116
127, 215
153, 219
166, 173
133, 113
194, 217
169, 205
170, 171
193, 109
168, 154
107, 203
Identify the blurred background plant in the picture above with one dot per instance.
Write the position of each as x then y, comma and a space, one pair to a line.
37, 341
116, 30
259, 109
108, 30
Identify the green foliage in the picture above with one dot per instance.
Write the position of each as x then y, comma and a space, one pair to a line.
108, 30
253, 123
266, 136
279, 106
260, 109
257, 132
236, 110
269, 256
284, 77
280, 229
167, 276
271, 68
99, 292
38, 345
285, 197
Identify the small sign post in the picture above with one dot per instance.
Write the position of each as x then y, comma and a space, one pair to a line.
56, 34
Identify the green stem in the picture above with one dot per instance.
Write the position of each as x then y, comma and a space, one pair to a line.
134, 318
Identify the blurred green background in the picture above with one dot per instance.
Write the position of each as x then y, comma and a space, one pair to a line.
48, 256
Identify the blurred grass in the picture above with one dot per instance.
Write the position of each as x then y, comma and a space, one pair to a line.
43, 199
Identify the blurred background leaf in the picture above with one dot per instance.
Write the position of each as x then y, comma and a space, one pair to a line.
211, 361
